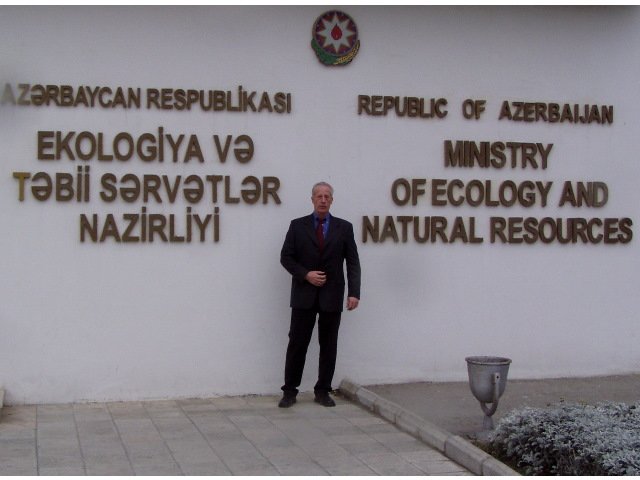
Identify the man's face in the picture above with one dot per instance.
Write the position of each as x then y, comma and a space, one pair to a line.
322, 200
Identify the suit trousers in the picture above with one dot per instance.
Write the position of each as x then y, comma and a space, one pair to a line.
302, 324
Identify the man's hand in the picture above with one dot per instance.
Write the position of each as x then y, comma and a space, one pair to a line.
352, 303
316, 278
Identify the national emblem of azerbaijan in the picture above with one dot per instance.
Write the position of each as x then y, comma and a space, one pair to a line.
335, 38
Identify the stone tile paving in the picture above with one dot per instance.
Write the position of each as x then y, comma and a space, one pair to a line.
246, 435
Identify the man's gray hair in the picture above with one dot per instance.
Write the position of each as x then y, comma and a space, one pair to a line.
321, 184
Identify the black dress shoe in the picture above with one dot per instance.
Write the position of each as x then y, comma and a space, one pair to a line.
324, 399
287, 401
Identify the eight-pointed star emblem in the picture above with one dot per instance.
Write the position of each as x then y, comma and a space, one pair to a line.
335, 38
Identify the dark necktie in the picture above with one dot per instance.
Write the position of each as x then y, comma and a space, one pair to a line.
320, 233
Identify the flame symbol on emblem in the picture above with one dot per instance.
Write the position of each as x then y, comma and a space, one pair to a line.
336, 33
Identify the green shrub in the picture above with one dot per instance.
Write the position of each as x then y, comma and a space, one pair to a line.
571, 439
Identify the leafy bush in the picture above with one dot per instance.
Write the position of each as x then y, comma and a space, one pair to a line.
571, 439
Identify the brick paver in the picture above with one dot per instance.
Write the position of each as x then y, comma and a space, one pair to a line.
246, 435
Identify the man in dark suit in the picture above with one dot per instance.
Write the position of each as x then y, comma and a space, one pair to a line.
314, 252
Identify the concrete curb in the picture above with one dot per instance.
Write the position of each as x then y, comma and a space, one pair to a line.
453, 446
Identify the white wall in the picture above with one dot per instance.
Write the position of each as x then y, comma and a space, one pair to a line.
85, 321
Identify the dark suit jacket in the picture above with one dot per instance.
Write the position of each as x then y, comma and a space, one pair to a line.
300, 254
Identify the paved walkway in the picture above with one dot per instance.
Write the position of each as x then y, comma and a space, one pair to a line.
251, 436
218, 436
